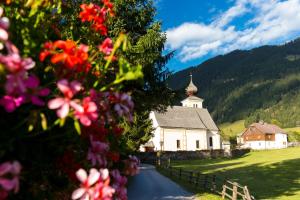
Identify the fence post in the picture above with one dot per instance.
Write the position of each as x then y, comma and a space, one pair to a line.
247, 194
234, 191
158, 162
198, 178
224, 191
214, 185
170, 170
169, 162
180, 172
205, 182
191, 177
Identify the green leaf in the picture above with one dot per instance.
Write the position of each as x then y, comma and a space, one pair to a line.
77, 126
62, 122
43, 121
30, 128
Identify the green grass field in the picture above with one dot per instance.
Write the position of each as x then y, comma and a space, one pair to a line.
231, 130
273, 174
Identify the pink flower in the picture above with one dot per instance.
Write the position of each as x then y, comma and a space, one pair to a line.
10, 103
107, 46
62, 104
13, 61
119, 184
15, 83
131, 166
4, 24
97, 152
93, 186
123, 104
33, 83
88, 112
9, 176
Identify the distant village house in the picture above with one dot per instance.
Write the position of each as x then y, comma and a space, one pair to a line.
184, 128
262, 135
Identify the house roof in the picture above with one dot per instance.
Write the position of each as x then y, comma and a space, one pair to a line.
186, 117
264, 128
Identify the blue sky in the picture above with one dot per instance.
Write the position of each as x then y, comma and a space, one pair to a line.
201, 29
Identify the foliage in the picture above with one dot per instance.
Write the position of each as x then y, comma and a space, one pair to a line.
262, 83
93, 63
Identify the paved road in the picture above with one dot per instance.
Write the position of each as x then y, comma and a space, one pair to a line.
151, 185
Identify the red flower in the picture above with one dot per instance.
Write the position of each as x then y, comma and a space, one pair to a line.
68, 54
107, 46
114, 156
109, 6
88, 12
96, 15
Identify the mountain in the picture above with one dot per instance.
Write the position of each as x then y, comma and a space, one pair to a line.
262, 83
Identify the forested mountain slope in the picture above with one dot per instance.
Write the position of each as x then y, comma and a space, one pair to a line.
262, 83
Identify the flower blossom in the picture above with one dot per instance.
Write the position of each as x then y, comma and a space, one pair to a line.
96, 15
88, 112
119, 184
123, 104
20, 86
67, 53
34, 93
10, 103
97, 152
93, 186
131, 166
63, 104
17, 70
4, 24
107, 46
9, 177
109, 7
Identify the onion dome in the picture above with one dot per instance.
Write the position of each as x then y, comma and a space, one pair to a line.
191, 88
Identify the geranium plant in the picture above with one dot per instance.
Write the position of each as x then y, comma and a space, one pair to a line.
71, 99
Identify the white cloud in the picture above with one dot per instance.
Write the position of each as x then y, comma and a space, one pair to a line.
273, 20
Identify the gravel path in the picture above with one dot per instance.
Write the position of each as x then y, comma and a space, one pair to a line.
151, 185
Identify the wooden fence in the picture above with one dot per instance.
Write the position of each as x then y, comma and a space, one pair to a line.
227, 189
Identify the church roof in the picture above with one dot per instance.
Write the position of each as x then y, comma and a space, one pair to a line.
186, 117
191, 88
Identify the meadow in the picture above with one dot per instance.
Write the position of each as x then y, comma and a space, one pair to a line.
231, 130
272, 174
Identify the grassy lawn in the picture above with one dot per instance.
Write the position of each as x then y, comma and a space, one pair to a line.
273, 174
232, 129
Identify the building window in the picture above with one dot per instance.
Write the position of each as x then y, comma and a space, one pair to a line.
178, 144
197, 144
210, 141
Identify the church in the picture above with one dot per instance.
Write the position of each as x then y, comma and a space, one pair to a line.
188, 127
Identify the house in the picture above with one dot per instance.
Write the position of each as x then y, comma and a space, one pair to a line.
263, 136
184, 128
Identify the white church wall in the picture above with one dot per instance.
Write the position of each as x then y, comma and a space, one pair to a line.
156, 133
192, 104
170, 139
216, 140
193, 136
